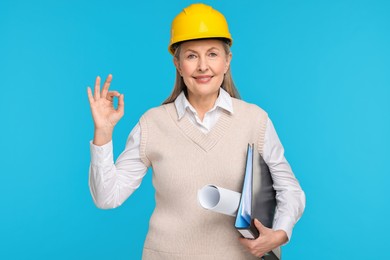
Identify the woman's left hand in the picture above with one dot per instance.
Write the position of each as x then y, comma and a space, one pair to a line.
268, 240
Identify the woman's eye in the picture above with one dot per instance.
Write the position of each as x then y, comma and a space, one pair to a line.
213, 54
191, 56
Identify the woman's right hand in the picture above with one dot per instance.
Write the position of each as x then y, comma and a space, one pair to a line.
104, 114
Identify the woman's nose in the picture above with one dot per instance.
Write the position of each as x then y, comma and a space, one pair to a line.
202, 64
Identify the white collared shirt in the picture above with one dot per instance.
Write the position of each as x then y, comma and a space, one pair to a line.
111, 184
223, 102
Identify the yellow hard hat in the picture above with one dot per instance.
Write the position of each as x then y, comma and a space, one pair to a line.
198, 21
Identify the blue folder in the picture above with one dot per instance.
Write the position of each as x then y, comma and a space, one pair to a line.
257, 199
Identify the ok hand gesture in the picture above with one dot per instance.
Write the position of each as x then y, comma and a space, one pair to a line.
104, 114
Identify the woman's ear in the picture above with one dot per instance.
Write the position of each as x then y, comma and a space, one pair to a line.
228, 60
177, 64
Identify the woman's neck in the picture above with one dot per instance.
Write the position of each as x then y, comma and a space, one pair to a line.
202, 104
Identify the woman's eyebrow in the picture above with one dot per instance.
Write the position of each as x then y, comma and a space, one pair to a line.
190, 50
214, 48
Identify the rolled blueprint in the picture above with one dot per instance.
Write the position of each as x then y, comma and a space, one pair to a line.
219, 199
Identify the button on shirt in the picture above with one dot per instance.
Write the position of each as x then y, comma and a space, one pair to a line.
112, 183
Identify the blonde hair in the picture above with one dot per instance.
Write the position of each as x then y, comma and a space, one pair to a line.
227, 84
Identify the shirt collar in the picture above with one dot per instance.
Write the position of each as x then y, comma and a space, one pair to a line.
223, 101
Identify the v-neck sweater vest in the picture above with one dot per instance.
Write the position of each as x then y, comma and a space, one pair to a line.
183, 160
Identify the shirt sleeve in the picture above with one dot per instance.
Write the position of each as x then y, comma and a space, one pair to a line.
112, 183
289, 194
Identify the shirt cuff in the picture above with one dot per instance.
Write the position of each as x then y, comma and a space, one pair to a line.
101, 155
286, 224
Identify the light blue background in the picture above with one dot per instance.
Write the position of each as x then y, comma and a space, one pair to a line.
320, 68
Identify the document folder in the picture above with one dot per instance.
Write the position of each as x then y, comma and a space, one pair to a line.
257, 199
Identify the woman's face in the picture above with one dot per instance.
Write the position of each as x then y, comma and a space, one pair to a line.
203, 64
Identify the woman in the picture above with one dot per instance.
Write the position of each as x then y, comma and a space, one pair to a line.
198, 136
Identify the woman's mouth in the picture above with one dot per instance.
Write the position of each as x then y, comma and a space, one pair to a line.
203, 79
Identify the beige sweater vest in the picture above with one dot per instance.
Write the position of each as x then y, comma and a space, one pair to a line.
183, 160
